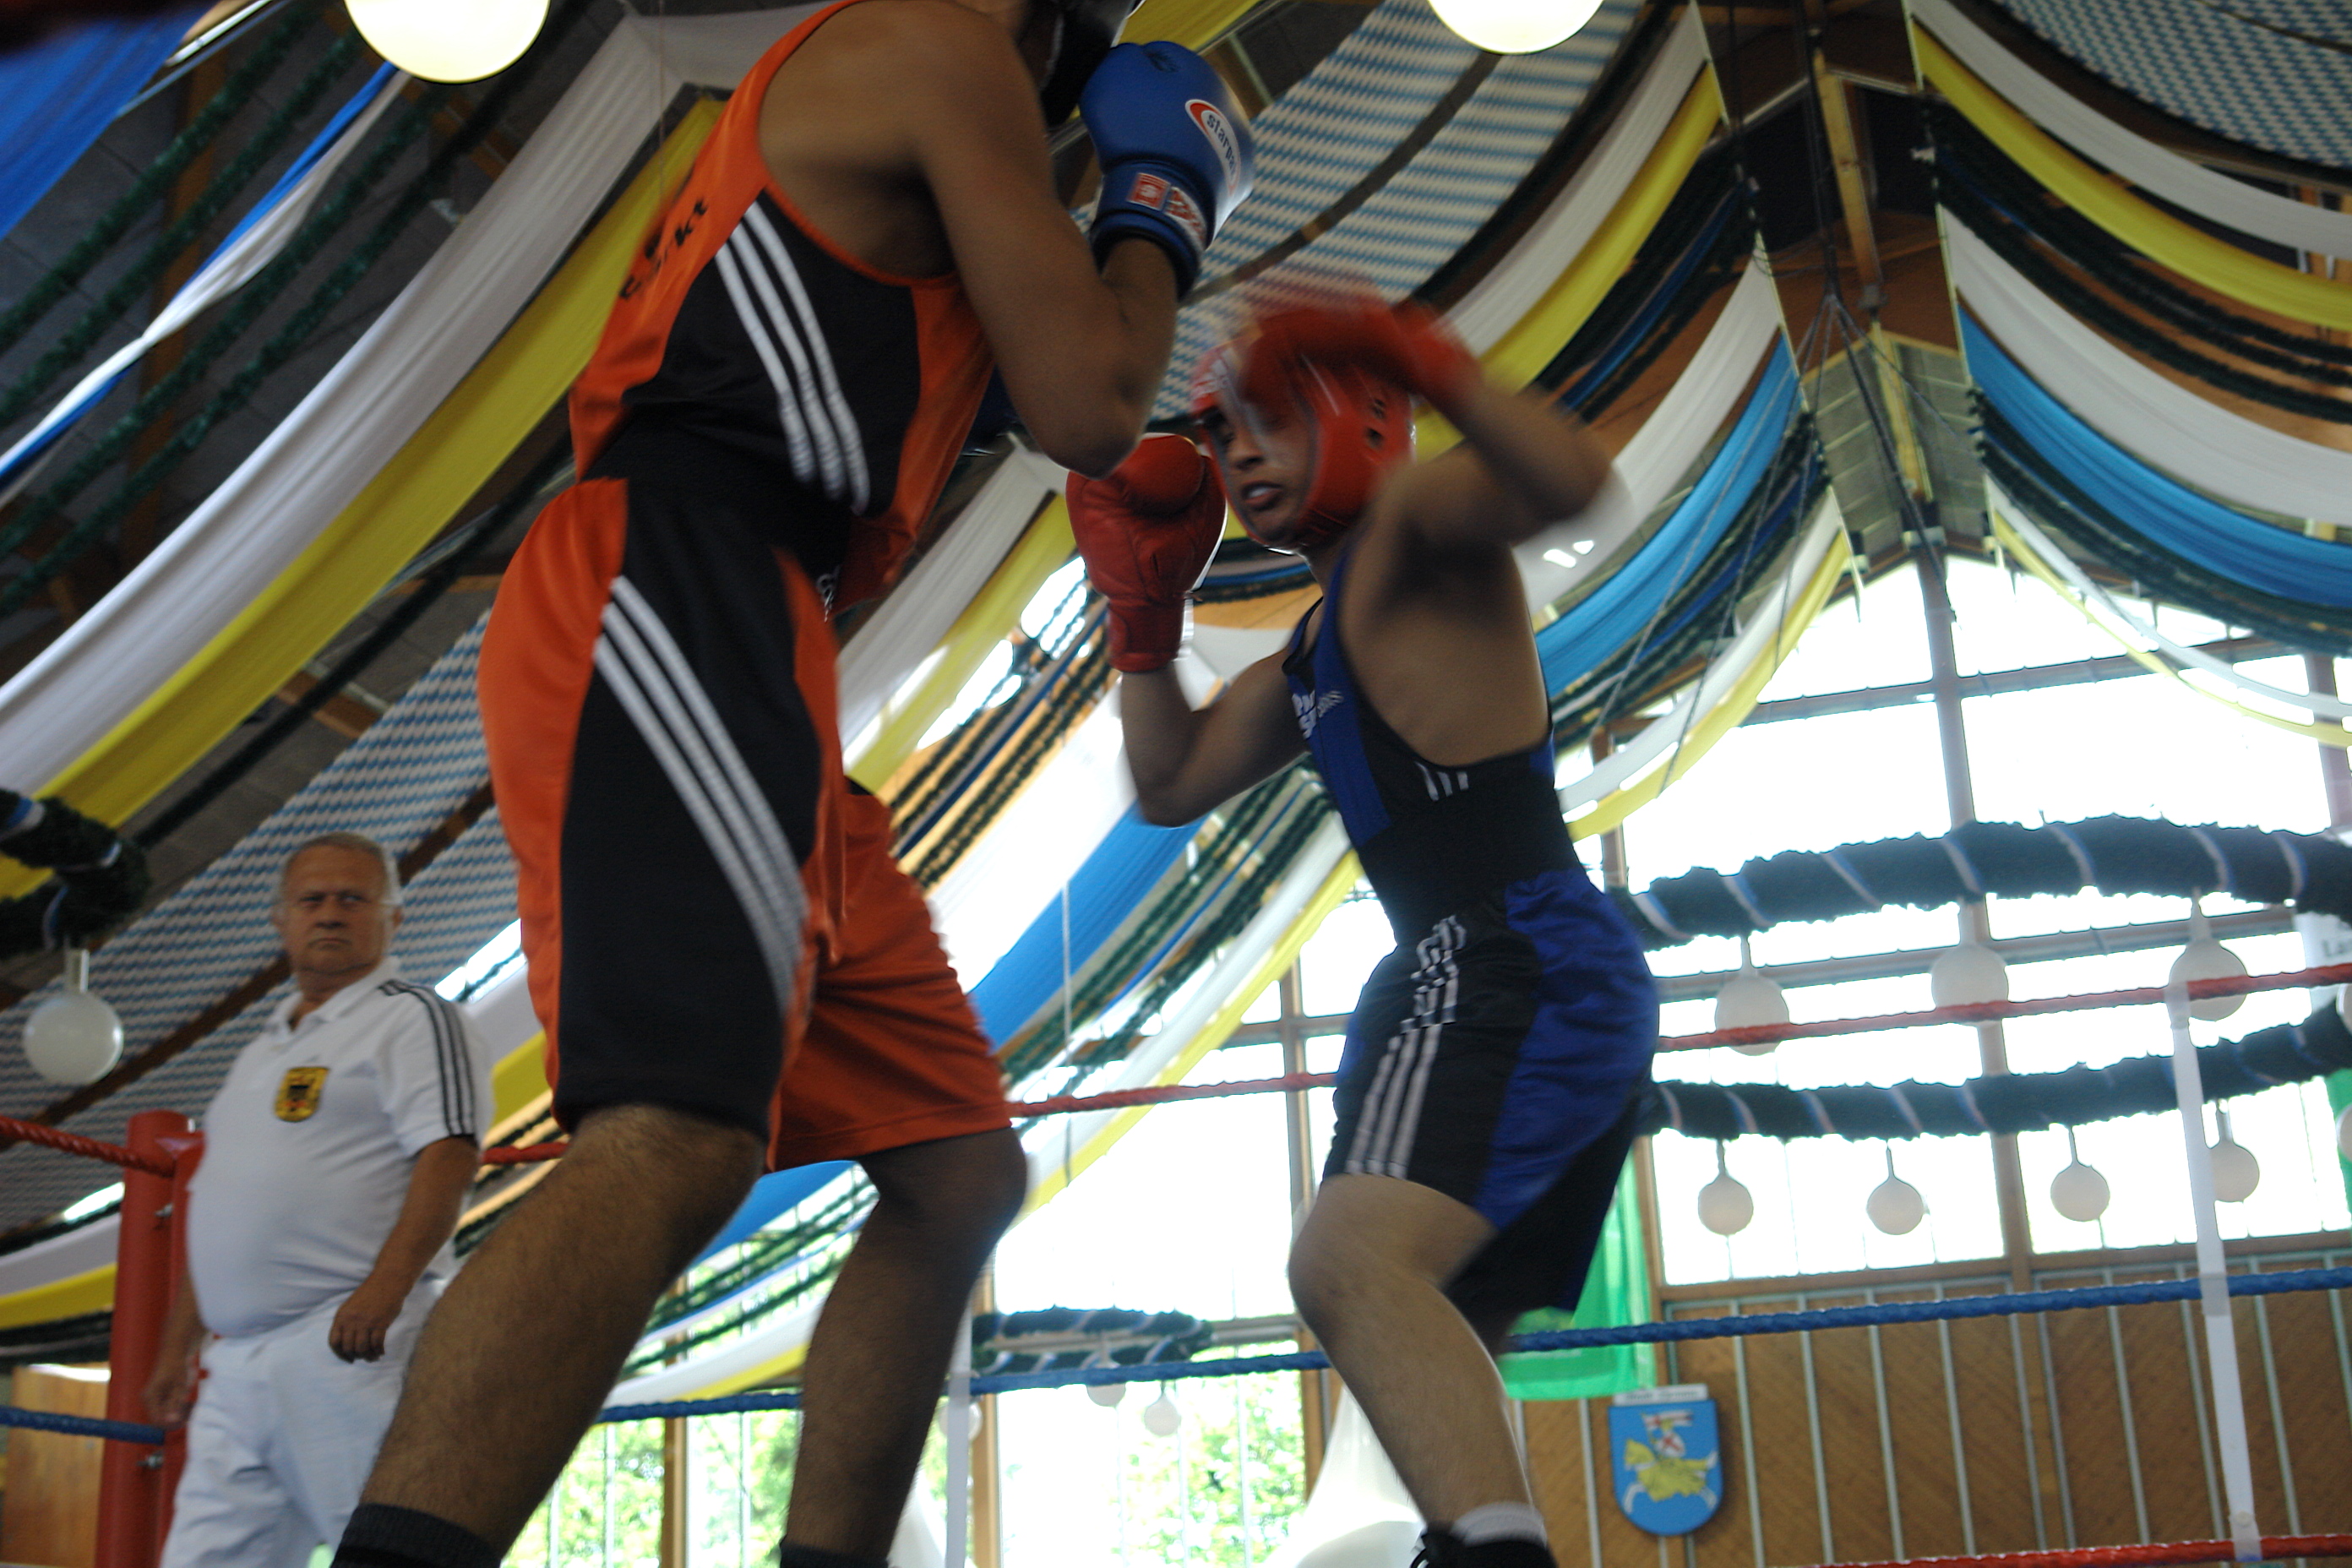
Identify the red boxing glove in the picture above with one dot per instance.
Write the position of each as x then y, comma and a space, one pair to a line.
1148, 533
1409, 345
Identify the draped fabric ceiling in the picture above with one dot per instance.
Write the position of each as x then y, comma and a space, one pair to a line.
2155, 400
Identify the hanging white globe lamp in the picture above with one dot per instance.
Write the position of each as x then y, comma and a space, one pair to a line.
1724, 1205
2206, 959
449, 40
1514, 26
1968, 974
1106, 1394
1161, 1417
73, 1036
2078, 1192
1749, 999
1895, 1205
2236, 1171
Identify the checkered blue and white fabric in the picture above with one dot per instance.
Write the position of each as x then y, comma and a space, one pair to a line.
396, 783
2227, 66
1330, 131
2330, 19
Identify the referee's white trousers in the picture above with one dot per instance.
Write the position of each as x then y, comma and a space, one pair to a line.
282, 1438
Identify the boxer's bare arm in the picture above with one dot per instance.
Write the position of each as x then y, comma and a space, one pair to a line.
1524, 465
907, 131
1186, 760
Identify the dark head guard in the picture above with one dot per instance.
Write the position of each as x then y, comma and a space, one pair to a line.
1087, 28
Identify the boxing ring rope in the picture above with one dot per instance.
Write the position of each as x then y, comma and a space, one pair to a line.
131, 1436
156, 1166
14, 1131
1737, 1325
1760, 1034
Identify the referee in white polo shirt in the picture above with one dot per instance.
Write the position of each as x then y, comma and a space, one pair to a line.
336, 1157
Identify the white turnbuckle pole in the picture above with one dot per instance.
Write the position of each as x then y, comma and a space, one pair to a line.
958, 1440
2213, 1283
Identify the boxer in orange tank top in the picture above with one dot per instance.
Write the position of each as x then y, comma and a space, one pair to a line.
731, 971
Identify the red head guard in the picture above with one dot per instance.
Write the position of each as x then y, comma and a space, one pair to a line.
1361, 427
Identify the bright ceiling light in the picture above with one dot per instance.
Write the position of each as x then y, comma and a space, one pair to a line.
1514, 26
449, 40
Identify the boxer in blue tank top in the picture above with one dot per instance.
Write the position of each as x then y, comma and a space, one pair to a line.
1485, 1097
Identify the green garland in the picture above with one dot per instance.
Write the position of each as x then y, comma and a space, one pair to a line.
100, 875
1067, 703
1239, 829
116, 221
948, 772
2054, 500
2005, 225
282, 346
76, 341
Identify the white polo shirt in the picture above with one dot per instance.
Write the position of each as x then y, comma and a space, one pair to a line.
309, 1144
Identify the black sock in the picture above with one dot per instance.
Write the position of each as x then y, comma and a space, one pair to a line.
381, 1536
1440, 1547
791, 1554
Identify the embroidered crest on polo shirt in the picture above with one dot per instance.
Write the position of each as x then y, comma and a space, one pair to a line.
298, 1093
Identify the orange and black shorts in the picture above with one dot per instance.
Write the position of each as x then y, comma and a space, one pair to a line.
710, 909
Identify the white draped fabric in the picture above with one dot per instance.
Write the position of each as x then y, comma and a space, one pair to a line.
918, 613
1661, 452
226, 272
1496, 302
2188, 185
1769, 634
264, 515
2165, 425
2093, 597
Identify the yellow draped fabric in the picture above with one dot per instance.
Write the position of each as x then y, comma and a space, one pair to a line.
2109, 202
1527, 347
1195, 23
1613, 808
416, 496
68, 1297
2155, 664
985, 622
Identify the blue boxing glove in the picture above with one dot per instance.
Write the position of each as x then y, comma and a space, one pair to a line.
1175, 153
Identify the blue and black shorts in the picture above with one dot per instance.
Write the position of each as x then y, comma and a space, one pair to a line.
1498, 1059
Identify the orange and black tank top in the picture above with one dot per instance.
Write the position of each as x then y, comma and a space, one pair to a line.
833, 396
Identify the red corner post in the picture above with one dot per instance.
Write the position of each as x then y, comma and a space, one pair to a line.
131, 1498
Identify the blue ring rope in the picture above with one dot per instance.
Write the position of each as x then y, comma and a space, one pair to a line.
1733, 1326
79, 1425
1730, 1326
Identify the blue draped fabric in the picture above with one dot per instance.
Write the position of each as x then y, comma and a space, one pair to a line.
58, 97
771, 1195
1103, 892
1667, 290
2247, 550
302, 164
1615, 613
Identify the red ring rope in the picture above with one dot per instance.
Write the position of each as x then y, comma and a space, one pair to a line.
75, 1143
1972, 1013
2274, 1548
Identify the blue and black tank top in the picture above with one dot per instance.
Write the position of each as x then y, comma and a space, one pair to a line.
1433, 839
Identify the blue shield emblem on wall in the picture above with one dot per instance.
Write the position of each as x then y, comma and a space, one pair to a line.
1663, 1457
